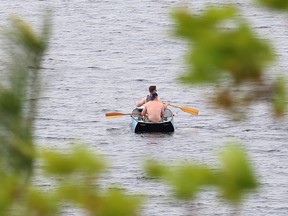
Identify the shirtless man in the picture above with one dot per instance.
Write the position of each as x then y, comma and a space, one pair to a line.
154, 110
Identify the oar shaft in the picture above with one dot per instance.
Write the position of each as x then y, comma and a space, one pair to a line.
118, 114
175, 106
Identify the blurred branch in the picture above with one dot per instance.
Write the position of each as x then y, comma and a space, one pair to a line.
19, 95
223, 50
234, 179
278, 5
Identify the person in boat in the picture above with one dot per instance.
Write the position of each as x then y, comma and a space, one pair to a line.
153, 109
152, 89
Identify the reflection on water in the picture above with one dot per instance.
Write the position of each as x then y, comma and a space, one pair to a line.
103, 57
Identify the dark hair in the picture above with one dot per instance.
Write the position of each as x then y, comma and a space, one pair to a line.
154, 95
152, 88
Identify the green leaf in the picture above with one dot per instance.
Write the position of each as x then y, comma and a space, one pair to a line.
279, 5
116, 203
155, 169
280, 97
236, 176
221, 45
78, 160
187, 180
24, 35
41, 203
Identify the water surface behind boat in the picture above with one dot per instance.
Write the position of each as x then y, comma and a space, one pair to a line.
103, 57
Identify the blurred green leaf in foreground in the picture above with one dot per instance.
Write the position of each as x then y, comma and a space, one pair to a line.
19, 94
226, 53
233, 179
78, 172
279, 5
73, 175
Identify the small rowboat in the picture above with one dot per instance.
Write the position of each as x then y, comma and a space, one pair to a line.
142, 126
139, 125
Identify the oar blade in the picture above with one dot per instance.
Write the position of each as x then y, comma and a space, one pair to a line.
190, 110
115, 115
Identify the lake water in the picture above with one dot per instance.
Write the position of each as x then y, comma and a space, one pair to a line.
103, 56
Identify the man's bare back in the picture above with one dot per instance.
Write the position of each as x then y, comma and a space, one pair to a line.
154, 110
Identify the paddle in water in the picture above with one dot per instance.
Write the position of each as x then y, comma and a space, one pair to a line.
119, 114
187, 109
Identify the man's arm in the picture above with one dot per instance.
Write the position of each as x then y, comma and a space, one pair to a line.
162, 112
141, 102
165, 104
144, 111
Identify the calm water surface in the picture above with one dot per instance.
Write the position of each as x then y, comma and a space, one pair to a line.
102, 58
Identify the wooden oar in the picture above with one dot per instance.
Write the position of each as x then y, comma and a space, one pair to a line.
118, 114
187, 109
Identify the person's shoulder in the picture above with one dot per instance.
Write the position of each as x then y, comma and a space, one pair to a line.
148, 103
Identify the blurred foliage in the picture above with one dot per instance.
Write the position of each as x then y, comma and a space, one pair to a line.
218, 49
280, 97
223, 50
279, 5
234, 179
74, 174
78, 172
19, 95
60, 164
236, 175
73, 178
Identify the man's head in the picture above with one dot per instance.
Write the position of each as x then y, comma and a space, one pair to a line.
154, 95
152, 89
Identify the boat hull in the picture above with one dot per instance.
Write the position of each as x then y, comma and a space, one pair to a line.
140, 126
